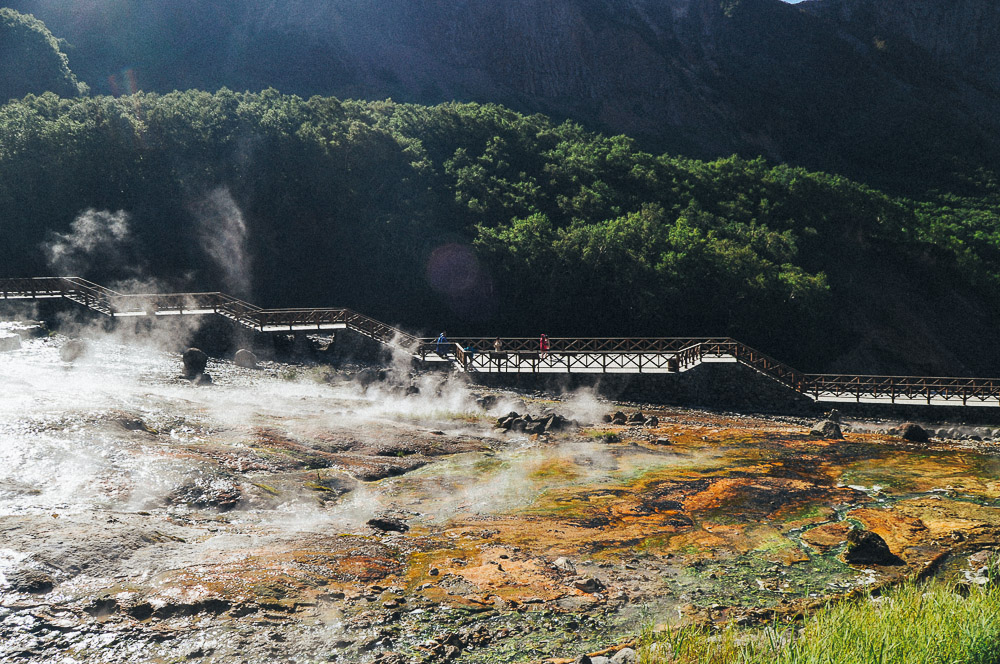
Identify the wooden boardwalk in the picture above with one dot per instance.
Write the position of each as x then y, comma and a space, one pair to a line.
657, 355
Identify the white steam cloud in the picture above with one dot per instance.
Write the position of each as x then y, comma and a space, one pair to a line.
95, 236
223, 235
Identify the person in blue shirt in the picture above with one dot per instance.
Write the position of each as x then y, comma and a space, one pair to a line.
442, 345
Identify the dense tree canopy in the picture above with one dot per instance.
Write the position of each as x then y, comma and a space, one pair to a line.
31, 60
472, 216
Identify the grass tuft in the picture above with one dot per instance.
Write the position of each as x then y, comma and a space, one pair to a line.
925, 623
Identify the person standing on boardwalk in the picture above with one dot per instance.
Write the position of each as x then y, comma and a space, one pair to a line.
442, 345
543, 347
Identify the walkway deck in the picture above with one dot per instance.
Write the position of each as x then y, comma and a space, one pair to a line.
661, 355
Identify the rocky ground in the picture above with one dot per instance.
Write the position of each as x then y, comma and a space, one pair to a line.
298, 514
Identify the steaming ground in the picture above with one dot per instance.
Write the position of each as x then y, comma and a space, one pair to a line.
117, 473
144, 519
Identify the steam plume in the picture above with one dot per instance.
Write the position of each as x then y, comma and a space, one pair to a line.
96, 236
223, 234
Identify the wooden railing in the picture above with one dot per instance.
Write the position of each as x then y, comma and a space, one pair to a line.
520, 354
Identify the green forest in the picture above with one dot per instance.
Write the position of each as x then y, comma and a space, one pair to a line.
476, 218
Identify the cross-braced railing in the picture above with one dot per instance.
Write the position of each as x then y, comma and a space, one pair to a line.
521, 354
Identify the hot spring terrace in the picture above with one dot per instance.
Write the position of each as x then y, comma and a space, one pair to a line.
661, 355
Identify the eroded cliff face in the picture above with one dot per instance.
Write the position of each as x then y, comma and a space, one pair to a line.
965, 33
851, 86
631, 66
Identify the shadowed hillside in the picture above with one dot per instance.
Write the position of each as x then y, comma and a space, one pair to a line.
31, 61
891, 93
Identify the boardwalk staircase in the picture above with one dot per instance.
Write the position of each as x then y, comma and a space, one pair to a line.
661, 355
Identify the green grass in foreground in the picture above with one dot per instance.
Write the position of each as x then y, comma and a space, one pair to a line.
912, 624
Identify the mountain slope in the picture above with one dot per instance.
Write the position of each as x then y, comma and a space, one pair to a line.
808, 84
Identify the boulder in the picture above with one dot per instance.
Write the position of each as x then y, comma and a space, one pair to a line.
636, 418
914, 433
867, 548
624, 656
535, 427
245, 359
487, 402
518, 424
827, 429
367, 377
195, 360
652, 421
72, 350
588, 585
30, 581
388, 524
9, 342
28, 329
564, 564
619, 418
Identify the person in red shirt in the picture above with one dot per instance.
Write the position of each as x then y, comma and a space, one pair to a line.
543, 347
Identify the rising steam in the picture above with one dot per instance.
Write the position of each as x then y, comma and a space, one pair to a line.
96, 236
223, 235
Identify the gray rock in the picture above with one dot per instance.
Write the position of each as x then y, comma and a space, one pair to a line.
245, 359
600, 659
72, 350
9, 342
564, 565
625, 656
827, 429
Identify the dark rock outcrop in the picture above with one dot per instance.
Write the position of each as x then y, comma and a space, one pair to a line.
867, 548
827, 429
588, 585
548, 424
387, 524
195, 360
30, 581
913, 433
